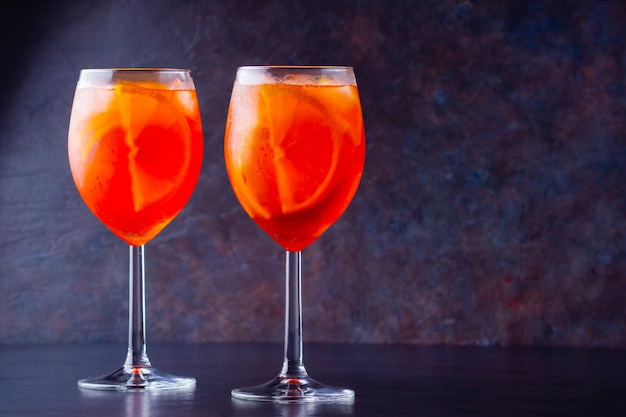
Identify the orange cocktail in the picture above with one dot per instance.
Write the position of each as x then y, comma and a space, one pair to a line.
294, 148
294, 153
135, 150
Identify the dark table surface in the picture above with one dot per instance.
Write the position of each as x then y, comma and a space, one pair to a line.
389, 380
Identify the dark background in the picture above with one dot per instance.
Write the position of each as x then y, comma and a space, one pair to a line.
492, 209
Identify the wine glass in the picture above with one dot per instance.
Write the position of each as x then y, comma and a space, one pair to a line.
294, 149
135, 148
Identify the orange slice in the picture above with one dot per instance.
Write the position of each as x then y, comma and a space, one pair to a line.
149, 127
306, 140
250, 168
249, 155
159, 142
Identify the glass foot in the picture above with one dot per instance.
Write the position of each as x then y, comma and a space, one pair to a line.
294, 390
137, 379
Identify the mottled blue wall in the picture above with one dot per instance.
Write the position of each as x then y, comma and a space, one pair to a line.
492, 208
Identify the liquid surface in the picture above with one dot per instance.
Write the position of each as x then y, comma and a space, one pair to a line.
294, 155
135, 152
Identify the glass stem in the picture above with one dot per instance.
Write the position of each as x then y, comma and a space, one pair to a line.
293, 367
137, 356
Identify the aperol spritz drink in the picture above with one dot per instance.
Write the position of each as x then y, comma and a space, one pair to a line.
135, 149
294, 151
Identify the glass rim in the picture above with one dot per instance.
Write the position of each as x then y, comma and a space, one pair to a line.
136, 69
176, 78
292, 74
297, 67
